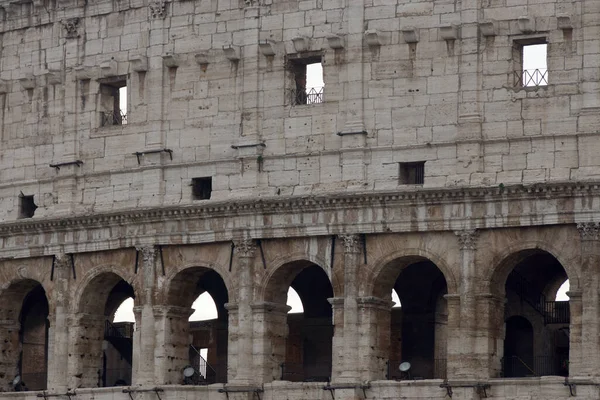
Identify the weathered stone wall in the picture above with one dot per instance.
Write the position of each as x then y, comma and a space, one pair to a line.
448, 99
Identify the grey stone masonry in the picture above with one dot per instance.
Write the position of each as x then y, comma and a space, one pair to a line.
422, 81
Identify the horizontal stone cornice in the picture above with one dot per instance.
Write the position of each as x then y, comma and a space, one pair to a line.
294, 216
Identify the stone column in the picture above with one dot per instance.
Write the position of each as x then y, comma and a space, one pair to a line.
352, 246
337, 343
172, 346
58, 333
86, 334
270, 340
9, 351
144, 338
590, 311
468, 354
374, 319
243, 261
232, 340
576, 354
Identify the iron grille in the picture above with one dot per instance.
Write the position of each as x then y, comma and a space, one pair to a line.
307, 96
113, 118
531, 78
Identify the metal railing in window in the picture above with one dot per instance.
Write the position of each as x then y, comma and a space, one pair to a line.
308, 96
531, 77
518, 367
110, 118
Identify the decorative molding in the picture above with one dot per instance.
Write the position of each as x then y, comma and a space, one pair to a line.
157, 9
62, 260
149, 254
71, 26
589, 230
280, 205
467, 239
352, 243
245, 247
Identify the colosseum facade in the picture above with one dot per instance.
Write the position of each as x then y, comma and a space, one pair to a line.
162, 149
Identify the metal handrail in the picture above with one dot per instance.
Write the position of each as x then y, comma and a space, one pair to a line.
307, 96
113, 118
203, 367
531, 77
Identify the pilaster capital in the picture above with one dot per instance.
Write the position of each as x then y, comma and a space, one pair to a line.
172, 311
270, 307
244, 248
351, 243
374, 303
589, 230
336, 302
467, 239
148, 254
62, 260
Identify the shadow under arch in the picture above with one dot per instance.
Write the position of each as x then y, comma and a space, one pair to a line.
24, 310
301, 343
516, 253
184, 287
417, 331
103, 349
527, 280
387, 268
299, 260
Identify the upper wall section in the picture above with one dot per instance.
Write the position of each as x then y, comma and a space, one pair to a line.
214, 89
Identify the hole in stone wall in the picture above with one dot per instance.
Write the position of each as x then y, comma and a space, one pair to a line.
113, 101
27, 206
307, 82
201, 188
412, 173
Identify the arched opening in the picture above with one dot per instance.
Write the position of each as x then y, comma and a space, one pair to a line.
104, 348
201, 294
304, 350
24, 328
418, 323
536, 339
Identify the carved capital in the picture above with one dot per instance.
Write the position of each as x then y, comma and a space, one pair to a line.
157, 9
245, 248
589, 230
467, 239
351, 243
148, 254
62, 261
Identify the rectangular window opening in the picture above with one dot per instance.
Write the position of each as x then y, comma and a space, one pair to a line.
201, 188
27, 206
412, 173
307, 80
531, 63
113, 101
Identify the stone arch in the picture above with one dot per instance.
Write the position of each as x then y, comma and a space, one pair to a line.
100, 278
24, 330
297, 261
182, 287
504, 262
300, 345
13, 295
188, 283
387, 268
200, 265
102, 351
524, 274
